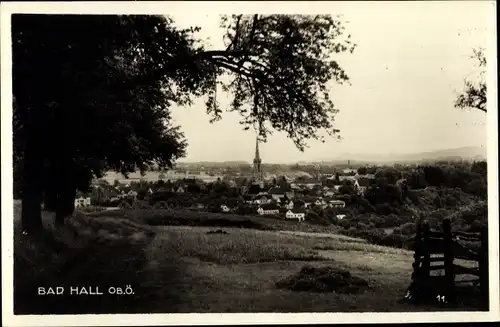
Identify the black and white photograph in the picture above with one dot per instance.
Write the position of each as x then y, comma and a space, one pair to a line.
259, 160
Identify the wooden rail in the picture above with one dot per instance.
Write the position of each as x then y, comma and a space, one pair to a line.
447, 246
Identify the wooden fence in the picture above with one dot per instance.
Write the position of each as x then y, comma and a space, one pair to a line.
437, 252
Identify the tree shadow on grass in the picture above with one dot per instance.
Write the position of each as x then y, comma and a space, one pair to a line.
94, 261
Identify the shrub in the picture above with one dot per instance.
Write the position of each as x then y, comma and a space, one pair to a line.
383, 209
476, 226
408, 229
414, 197
161, 205
124, 205
142, 205
391, 220
362, 226
379, 222
334, 220
345, 223
393, 240
352, 231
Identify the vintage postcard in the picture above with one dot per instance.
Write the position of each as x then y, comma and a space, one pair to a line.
172, 163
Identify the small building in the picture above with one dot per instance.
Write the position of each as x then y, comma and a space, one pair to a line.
347, 178
82, 202
320, 203
349, 171
337, 203
361, 185
340, 217
262, 200
180, 189
328, 191
290, 205
296, 213
269, 209
225, 208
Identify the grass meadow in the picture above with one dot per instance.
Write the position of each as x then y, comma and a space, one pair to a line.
173, 264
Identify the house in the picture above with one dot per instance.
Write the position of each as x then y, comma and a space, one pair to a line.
276, 192
268, 210
349, 171
361, 185
180, 189
289, 205
132, 194
320, 202
347, 178
296, 213
150, 191
262, 200
328, 191
247, 198
225, 208
337, 204
82, 202
114, 199
309, 183
340, 217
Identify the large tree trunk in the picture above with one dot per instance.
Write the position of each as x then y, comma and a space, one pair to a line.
50, 199
66, 192
31, 215
65, 205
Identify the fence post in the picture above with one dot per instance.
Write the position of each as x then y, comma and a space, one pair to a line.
416, 253
448, 259
484, 268
425, 251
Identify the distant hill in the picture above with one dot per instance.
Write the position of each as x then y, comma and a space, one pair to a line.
212, 163
463, 153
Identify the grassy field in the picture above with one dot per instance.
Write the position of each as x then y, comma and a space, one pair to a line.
175, 265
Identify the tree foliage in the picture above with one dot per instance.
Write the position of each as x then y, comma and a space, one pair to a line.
92, 93
474, 94
279, 68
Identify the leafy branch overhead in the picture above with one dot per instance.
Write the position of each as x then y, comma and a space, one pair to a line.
279, 68
474, 94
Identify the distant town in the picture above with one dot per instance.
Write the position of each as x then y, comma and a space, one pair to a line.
291, 191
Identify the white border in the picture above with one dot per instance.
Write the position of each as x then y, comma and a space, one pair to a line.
151, 7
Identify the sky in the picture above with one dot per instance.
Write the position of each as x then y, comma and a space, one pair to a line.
410, 62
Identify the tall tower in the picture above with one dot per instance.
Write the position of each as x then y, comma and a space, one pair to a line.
257, 165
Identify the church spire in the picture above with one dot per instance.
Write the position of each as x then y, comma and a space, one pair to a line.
257, 164
257, 154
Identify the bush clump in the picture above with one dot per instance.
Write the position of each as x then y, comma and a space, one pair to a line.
324, 279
